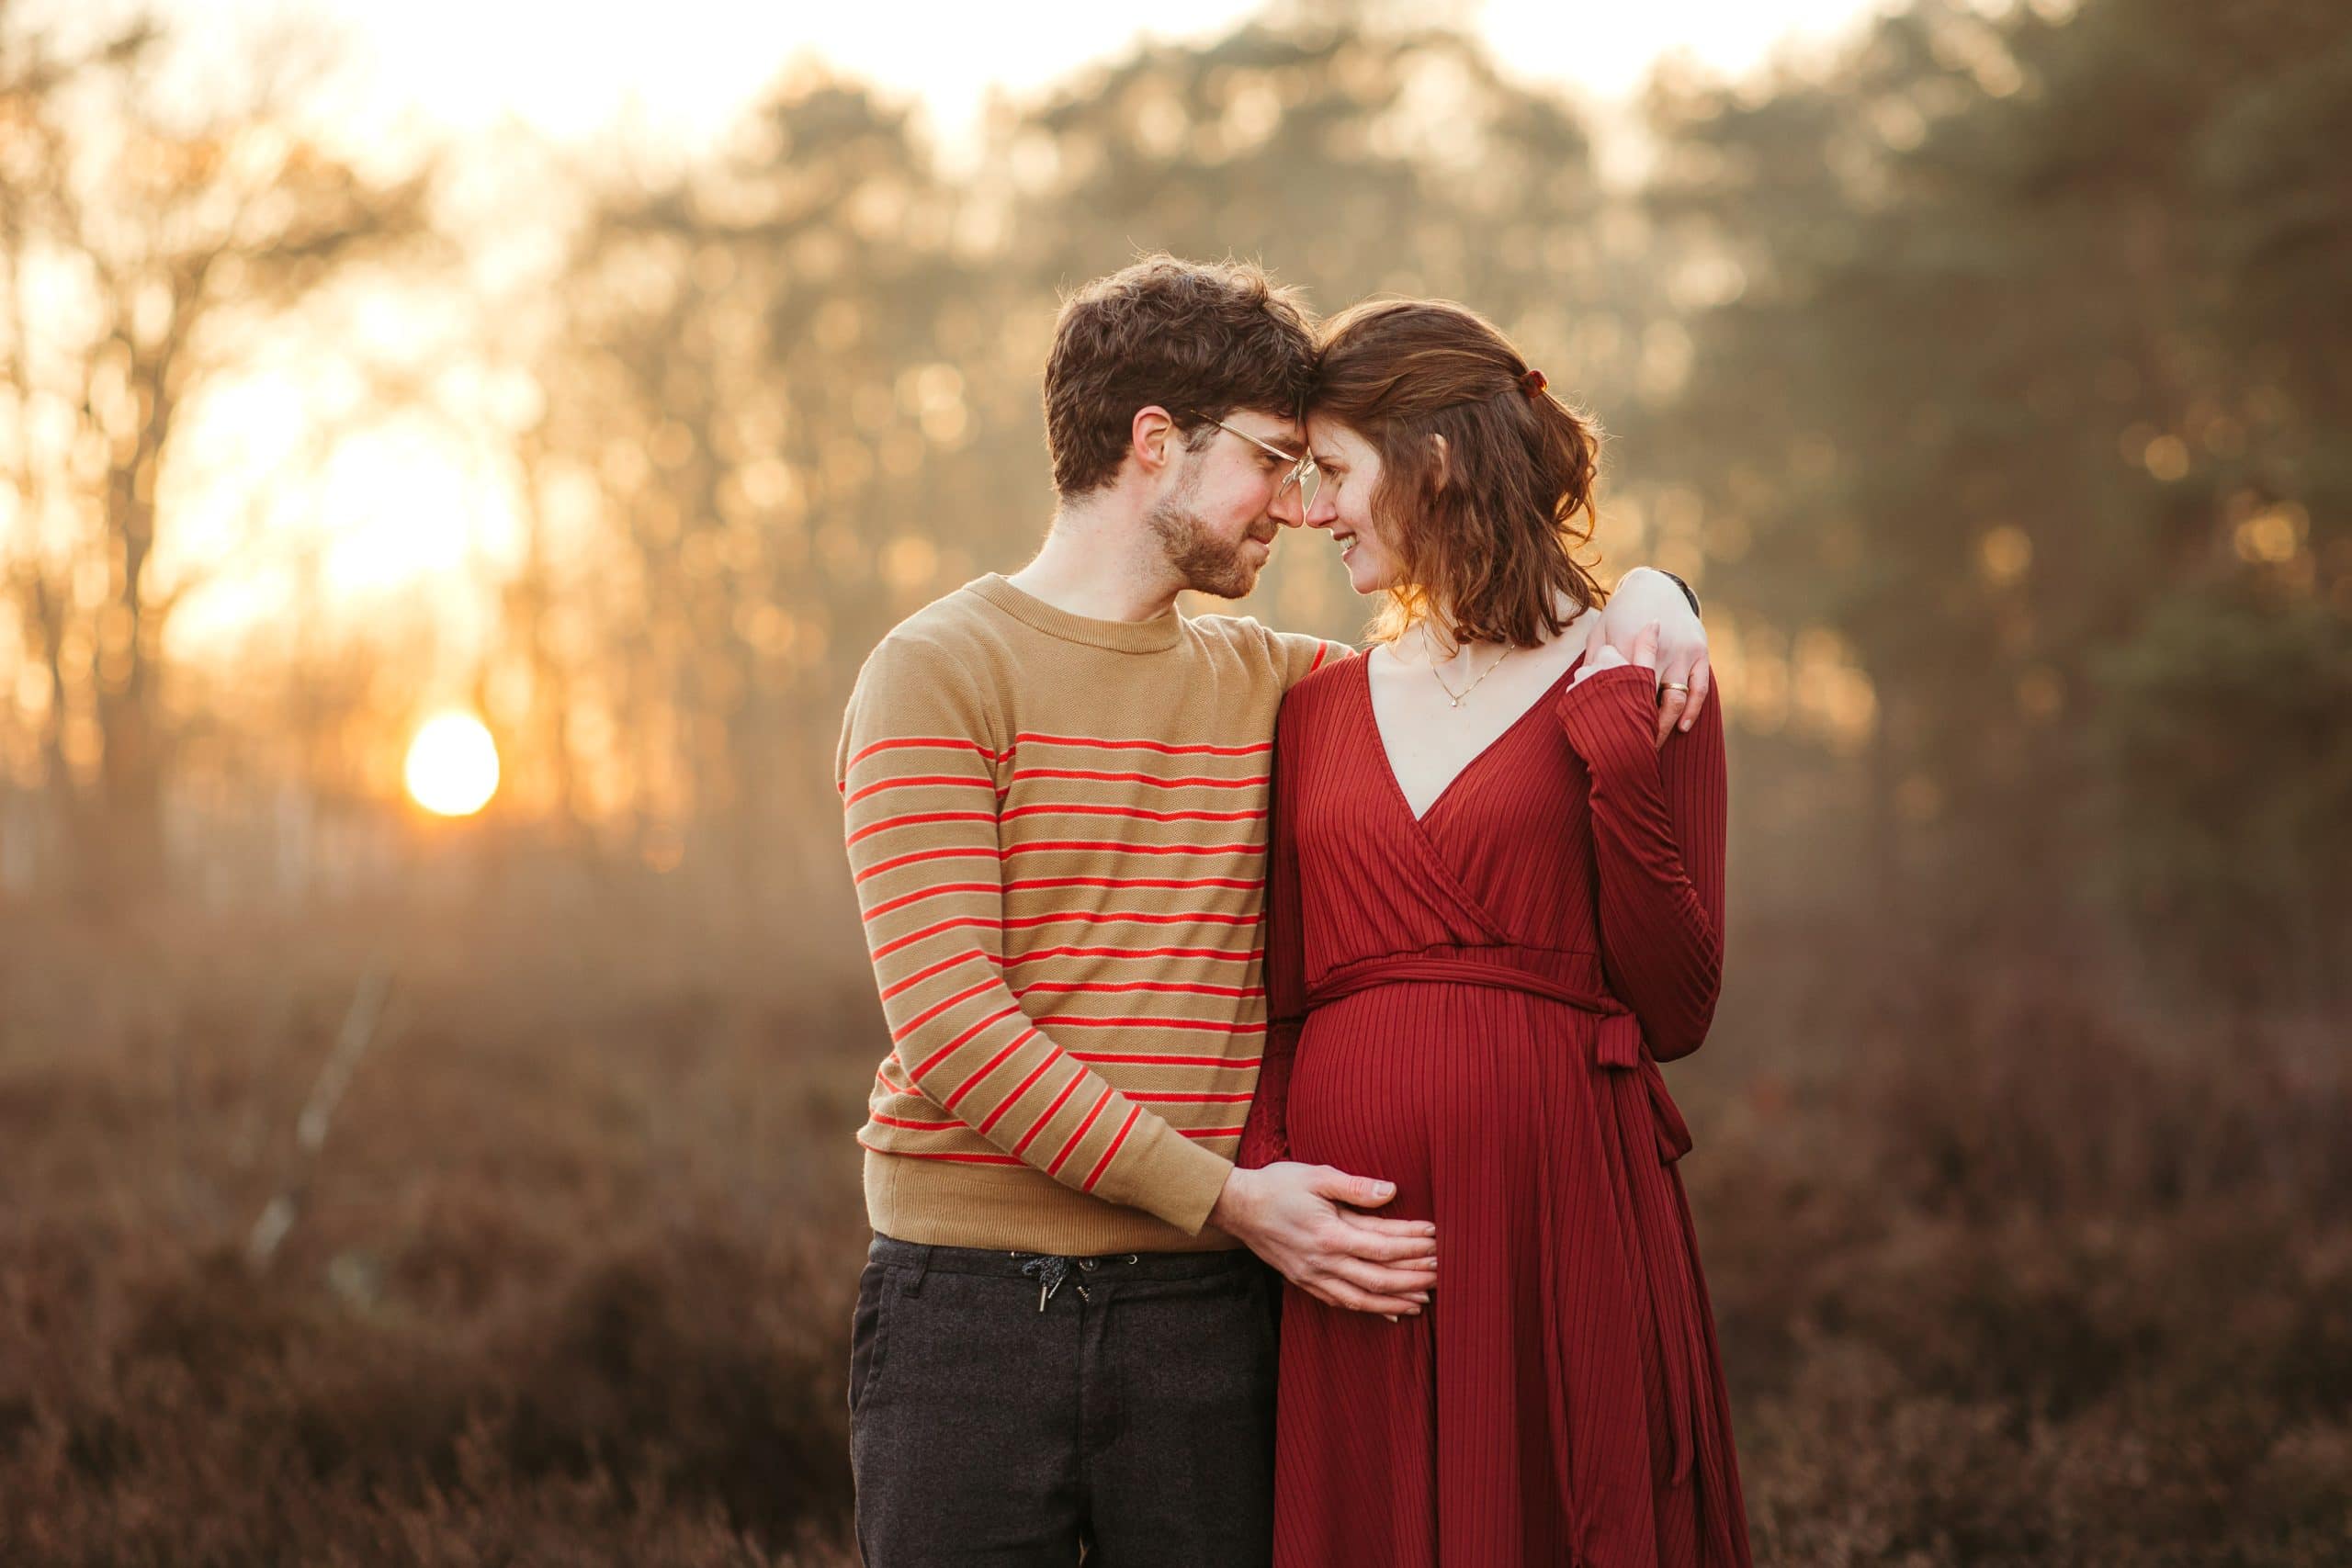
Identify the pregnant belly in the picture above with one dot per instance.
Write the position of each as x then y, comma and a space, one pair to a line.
1420, 1084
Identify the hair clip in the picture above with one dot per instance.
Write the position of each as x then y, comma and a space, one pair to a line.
1532, 382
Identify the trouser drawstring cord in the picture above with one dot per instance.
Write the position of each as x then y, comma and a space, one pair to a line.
1050, 1270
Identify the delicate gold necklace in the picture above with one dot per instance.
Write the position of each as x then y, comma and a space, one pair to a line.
1451, 695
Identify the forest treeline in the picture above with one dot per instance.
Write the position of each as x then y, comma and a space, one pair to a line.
1988, 377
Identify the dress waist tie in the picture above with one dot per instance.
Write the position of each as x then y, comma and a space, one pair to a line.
1617, 1041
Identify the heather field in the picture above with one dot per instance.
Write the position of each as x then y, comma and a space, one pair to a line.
2005, 1272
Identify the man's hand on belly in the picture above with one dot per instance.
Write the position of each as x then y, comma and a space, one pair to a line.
1305, 1219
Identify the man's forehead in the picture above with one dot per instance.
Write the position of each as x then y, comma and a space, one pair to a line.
1278, 428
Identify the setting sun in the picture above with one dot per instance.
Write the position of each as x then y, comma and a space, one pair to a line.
452, 765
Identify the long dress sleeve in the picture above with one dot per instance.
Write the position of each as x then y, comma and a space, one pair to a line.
1658, 821
1265, 1136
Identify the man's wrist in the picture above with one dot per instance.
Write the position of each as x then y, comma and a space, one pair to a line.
1230, 1212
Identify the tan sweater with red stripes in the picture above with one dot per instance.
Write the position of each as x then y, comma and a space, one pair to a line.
1058, 830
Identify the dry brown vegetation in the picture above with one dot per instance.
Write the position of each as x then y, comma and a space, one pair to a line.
2005, 1272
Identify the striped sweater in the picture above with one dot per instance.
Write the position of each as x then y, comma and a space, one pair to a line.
1057, 826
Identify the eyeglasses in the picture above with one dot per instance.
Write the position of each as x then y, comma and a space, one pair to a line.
1301, 472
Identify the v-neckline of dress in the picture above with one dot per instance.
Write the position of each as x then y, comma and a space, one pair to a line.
1387, 763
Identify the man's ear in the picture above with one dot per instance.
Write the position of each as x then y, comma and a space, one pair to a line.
1152, 437
1445, 461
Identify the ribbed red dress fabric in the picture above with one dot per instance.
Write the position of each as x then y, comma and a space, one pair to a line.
1560, 1401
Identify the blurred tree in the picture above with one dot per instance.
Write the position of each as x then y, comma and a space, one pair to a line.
801, 381
2023, 361
140, 251
2227, 767
750, 383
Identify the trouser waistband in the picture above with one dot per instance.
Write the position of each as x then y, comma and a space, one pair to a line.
923, 1258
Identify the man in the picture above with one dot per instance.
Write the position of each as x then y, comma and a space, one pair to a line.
1057, 790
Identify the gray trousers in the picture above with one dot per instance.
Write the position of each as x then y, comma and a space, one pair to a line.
1132, 1418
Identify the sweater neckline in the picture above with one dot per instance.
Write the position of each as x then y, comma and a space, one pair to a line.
1157, 635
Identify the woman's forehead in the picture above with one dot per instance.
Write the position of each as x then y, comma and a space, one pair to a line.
1328, 437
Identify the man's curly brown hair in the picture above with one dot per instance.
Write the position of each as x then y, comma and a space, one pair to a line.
1199, 339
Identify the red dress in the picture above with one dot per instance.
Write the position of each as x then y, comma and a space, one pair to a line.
1472, 1004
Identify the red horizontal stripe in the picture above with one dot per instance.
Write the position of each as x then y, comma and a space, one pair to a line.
912, 937
1039, 1124
935, 1153
1188, 781
912, 1126
1099, 987
917, 1071
1134, 952
940, 967
1113, 846
1160, 747
991, 1065
1103, 1164
1110, 917
1010, 1100
916, 819
1023, 884
935, 743
1053, 808
935, 1008
941, 891
1148, 1059
912, 781
1212, 1131
1070, 1145
1201, 1023
916, 857
1242, 1098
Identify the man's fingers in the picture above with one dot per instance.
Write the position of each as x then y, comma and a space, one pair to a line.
1644, 649
1362, 1191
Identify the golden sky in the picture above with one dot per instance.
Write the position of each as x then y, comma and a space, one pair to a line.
685, 67
414, 518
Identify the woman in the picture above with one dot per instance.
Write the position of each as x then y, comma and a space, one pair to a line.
1496, 902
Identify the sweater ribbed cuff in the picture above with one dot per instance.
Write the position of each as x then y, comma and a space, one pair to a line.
1166, 1174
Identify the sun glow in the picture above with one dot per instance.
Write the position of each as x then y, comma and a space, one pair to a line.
452, 765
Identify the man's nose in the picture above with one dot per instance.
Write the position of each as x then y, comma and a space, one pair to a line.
1286, 509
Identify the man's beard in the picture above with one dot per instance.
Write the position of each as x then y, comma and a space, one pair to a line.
1208, 564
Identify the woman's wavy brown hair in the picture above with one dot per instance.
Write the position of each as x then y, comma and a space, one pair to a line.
1485, 537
